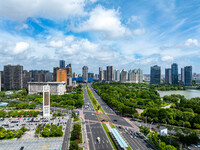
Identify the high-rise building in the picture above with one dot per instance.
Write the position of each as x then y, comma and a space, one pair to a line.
100, 74
188, 75
174, 73
46, 101
124, 76
109, 73
168, 79
75, 75
69, 65
62, 64
69, 76
140, 75
27, 77
155, 75
105, 75
0, 81
61, 75
85, 73
182, 76
13, 77
133, 76
117, 75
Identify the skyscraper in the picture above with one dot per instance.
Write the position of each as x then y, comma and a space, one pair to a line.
117, 75
109, 73
168, 79
13, 77
188, 75
124, 76
85, 73
0, 81
100, 74
105, 75
174, 73
155, 75
182, 76
62, 64
140, 75
133, 76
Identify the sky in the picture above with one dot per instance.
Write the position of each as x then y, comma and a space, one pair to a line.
127, 34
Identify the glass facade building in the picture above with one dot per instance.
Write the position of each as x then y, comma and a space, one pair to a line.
174, 73
188, 75
155, 75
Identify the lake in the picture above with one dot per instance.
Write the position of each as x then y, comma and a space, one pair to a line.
189, 93
3, 104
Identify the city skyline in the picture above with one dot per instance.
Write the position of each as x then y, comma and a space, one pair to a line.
131, 34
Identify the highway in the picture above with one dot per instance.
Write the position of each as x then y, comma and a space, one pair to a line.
94, 130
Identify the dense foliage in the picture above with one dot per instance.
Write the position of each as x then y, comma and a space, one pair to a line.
183, 112
8, 134
15, 113
49, 130
75, 137
19, 105
126, 97
70, 100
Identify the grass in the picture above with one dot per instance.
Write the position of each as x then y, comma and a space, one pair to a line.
76, 120
94, 101
107, 132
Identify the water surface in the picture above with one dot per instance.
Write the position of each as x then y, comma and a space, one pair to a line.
190, 93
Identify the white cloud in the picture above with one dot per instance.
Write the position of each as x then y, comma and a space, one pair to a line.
192, 42
167, 58
22, 27
93, 1
20, 47
59, 9
56, 44
106, 21
139, 31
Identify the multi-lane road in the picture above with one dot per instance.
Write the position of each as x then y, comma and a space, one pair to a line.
138, 143
94, 129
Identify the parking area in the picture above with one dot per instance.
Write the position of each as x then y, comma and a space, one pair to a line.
30, 144
31, 123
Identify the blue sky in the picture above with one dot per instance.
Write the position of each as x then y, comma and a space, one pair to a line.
127, 34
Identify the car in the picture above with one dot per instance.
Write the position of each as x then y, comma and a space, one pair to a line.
115, 120
153, 129
198, 145
193, 145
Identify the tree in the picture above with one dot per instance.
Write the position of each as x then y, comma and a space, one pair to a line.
169, 147
45, 132
144, 130
32, 105
73, 146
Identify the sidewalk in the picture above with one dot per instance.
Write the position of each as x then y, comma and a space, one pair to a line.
84, 132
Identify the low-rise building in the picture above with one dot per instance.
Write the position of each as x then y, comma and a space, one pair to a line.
56, 88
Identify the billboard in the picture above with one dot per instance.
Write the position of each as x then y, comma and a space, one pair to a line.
163, 132
46, 98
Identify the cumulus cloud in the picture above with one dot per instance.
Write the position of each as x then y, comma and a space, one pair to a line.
167, 58
56, 44
22, 9
192, 42
106, 21
20, 47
